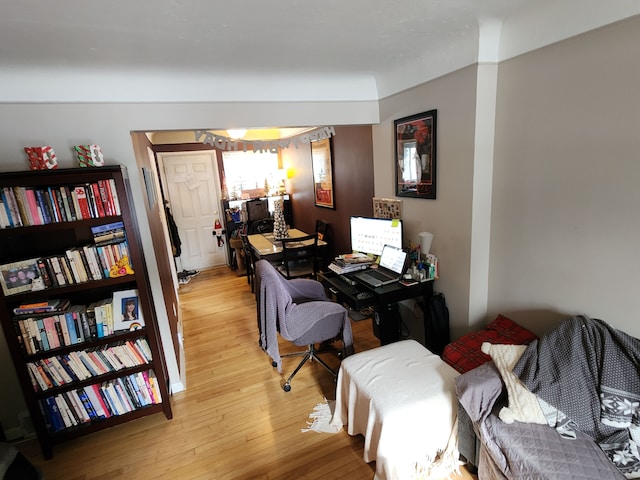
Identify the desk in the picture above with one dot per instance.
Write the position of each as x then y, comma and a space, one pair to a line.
386, 322
266, 247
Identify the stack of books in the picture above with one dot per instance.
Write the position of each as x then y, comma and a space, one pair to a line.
350, 262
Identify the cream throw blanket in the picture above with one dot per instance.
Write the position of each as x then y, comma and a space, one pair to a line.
401, 398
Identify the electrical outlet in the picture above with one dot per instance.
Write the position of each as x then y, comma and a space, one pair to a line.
26, 424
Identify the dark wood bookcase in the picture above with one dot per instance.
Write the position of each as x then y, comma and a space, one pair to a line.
19, 243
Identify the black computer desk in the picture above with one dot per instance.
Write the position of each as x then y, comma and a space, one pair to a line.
386, 322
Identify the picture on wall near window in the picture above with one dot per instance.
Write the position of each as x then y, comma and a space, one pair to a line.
127, 314
415, 139
322, 164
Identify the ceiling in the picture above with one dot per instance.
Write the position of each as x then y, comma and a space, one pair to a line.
260, 50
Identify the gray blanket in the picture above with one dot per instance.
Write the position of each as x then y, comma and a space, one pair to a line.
589, 372
299, 309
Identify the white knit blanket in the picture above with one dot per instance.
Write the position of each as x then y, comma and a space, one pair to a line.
401, 398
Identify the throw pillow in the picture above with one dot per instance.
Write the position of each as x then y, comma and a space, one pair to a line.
523, 405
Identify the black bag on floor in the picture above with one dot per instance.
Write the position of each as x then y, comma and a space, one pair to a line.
437, 328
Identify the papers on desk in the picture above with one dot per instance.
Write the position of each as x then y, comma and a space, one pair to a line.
341, 267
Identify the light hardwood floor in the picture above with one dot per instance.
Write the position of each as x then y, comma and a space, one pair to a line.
233, 421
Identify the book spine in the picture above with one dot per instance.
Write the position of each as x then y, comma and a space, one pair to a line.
51, 201
7, 209
80, 194
53, 415
21, 203
14, 214
96, 401
104, 196
57, 196
86, 403
66, 335
66, 269
44, 336
114, 195
97, 199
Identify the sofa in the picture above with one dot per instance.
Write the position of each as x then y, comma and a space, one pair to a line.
566, 406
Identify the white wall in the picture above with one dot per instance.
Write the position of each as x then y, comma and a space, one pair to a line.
448, 217
566, 198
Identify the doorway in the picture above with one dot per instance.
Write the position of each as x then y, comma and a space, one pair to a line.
191, 182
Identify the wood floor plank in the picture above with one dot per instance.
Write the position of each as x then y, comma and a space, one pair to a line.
233, 421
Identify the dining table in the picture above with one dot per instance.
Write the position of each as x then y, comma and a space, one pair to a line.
266, 247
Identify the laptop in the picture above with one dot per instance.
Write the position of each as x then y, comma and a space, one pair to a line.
393, 262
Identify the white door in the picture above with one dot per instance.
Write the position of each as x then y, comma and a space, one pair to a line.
192, 186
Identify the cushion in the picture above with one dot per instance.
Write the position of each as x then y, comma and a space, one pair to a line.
523, 405
464, 354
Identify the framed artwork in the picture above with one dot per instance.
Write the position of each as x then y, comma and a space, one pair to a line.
127, 314
20, 277
415, 140
322, 163
387, 208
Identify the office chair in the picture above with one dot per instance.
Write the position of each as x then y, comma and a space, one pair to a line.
301, 312
248, 260
300, 261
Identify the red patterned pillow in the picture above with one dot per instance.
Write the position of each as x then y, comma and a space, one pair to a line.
464, 354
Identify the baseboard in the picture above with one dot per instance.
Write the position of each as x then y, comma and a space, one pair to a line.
176, 387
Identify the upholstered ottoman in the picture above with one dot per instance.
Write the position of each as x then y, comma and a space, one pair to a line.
402, 399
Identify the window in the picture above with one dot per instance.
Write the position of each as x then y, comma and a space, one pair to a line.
248, 171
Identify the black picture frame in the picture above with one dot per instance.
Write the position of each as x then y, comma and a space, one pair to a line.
322, 166
415, 155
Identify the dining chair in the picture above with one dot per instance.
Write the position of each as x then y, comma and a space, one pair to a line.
323, 229
299, 257
249, 260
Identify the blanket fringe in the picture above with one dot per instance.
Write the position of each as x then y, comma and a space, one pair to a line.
321, 415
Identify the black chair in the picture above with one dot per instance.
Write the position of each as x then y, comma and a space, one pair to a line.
300, 257
264, 225
249, 260
323, 229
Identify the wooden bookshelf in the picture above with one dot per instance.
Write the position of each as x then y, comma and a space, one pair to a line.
29, 233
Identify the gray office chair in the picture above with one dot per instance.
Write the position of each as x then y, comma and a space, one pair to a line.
300, 261
301, 313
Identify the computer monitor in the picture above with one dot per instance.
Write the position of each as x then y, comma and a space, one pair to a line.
369, 235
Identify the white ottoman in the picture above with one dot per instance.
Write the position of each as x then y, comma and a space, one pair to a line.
402, 399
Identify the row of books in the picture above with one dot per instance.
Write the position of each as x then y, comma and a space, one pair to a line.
26, 206
65, 369
83, 264
99, 401
77, 324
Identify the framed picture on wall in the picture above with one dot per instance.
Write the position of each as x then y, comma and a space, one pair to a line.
415, 141
322, 165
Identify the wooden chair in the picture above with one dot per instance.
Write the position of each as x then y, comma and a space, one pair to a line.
323, 229
300, 257
249, 261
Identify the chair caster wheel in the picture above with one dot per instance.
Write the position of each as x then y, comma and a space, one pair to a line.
286, 387
274, 364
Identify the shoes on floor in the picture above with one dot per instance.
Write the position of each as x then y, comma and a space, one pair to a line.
185, 276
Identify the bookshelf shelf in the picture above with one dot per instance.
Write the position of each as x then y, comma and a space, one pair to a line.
77, 374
